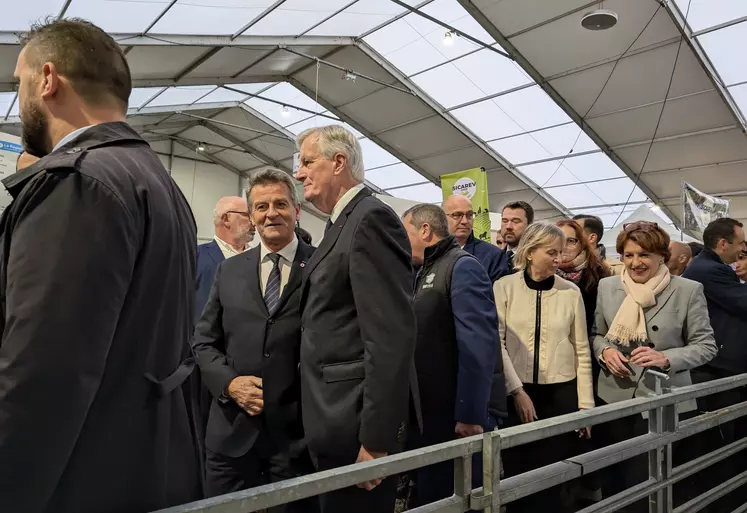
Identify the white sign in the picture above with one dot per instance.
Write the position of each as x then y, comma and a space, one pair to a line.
700, 209
9, 152
465, 186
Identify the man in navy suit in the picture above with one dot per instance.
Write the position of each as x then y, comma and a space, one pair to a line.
461, 217
233, 233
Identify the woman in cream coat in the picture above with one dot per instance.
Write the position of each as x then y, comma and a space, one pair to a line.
646, 319
546, 354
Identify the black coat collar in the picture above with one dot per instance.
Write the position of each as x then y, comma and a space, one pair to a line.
68, 155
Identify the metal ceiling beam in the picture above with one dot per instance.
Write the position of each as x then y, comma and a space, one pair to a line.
258, 18
450, 28
392, 20
487, 25
209, 125
372, 54
158, 18
326, 19
681, 23
216, 160
720, 26
8, 37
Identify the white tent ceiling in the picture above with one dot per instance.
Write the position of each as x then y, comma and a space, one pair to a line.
242, 77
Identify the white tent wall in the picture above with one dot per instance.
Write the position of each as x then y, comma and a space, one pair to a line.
642, 213
203, 184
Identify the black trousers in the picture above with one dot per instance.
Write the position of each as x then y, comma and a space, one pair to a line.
436, 482
225, 474
549, 401
357, 500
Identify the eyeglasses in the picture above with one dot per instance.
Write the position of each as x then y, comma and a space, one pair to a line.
571, 241
457, 216
245, 214
645, 226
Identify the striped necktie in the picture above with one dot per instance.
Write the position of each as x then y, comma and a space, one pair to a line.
272, 290
328, 226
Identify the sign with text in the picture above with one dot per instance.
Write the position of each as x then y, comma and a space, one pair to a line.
472, 183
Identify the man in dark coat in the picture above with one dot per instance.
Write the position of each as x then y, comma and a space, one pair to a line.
97, 295
358, 323
247, 345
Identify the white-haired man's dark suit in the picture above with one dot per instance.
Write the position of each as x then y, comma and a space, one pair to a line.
357, 346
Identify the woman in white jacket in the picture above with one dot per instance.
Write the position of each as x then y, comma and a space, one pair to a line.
545, 349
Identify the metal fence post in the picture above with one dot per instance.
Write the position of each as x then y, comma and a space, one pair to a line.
661, 420
463, 478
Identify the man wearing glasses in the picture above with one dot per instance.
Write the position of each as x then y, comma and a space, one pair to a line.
461, 217
233, 233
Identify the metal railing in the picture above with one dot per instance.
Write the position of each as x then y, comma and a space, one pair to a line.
664, 429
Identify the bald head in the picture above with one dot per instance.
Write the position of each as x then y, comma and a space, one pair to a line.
232, 221
681, 254
460, 215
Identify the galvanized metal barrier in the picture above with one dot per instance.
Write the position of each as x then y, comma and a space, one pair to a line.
664, 429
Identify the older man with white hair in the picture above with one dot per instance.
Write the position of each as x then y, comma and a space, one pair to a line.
358, 341
233, 233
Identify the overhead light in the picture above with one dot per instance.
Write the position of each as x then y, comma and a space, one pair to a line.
599, 19
349, 76
656, 208
200, 147
285, 111
449, 38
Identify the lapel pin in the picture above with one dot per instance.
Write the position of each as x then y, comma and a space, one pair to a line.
303, 264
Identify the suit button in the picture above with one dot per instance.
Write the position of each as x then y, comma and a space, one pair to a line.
267, 355
655, 328
301, 329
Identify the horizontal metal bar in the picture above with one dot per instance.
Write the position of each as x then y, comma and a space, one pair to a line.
231, 125
520, 435
11, 38
282, 492
451, 505
741, 509
626, 498
712, 495
525, 484
720, 26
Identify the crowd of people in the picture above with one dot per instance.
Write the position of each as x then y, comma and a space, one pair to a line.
394, 333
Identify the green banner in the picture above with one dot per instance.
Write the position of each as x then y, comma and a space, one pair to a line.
472, 183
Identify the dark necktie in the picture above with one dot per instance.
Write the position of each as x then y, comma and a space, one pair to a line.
329, 225
510, 261
272, 290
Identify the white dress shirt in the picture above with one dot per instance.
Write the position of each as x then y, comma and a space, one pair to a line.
228, 250
72, 135
287, 255
343, 202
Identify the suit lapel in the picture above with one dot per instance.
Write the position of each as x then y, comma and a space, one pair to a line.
303, 253
660, 302
329, 240
252, 277
215, 253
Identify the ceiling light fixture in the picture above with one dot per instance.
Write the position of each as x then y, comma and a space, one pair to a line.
200, 147
599, 19
656, 208
349, 76
285, 111
449, 38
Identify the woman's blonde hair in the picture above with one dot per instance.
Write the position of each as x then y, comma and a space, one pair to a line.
536, 235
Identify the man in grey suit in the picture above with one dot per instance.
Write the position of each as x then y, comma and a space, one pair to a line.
358, 322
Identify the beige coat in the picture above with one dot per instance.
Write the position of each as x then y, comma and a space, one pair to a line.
564, 352
677, 325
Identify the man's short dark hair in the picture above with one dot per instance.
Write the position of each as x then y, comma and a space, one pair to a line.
431, 215
522, 205
695, 248
83, 53
722, 228
592, 224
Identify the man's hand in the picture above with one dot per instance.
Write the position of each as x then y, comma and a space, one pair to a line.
645, 356
462, 430
366, 455
615, 362
246, 391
